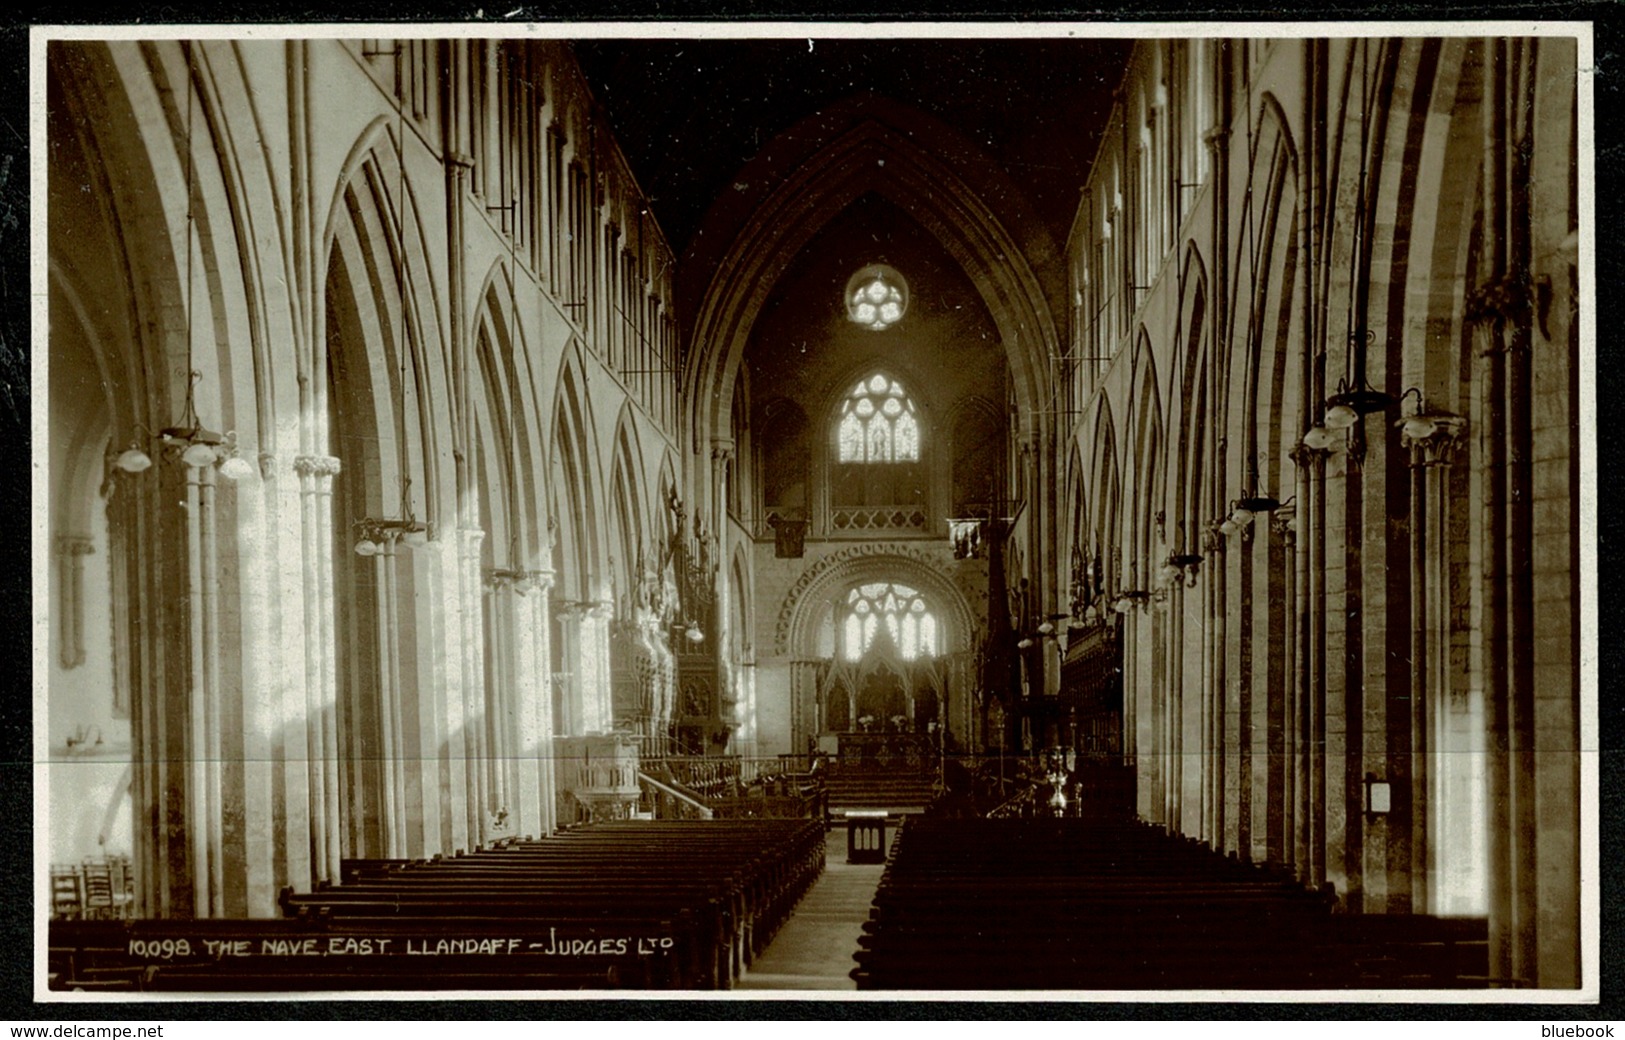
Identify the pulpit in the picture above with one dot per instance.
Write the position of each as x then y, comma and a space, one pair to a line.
600, 773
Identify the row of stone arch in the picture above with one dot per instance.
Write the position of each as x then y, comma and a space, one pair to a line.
1332, 642
290, 700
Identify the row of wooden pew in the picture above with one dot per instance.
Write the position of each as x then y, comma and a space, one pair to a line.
1065, 904
638, 904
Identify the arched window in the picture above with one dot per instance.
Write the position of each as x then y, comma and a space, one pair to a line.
898, 611
878, 423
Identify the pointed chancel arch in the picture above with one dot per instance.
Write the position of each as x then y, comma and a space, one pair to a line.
810, 174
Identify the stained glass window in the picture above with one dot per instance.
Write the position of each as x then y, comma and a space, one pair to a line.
876, 297
899, 610
878, 423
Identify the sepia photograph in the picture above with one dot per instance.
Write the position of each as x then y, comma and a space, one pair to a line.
839, 511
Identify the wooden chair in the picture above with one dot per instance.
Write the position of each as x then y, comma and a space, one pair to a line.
98, 877
123, 886
67, 893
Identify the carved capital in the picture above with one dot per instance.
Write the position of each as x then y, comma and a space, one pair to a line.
1305, 457
1507, 298
1284, 521
1216, 138
316, 465
522, 582
1432, 439
585, 610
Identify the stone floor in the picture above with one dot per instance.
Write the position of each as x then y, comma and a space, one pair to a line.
814, 948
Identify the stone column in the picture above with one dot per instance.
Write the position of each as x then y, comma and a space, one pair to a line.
1306, 721
316, 473
1213, 790
1284, 828
70, 552
526, 715
467, 722
203, 818
1432, 441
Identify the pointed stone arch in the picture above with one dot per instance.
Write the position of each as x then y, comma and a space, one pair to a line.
155, 272
1189, 407
1147, 455
575, 484
582, 607
1105, 528
813, 172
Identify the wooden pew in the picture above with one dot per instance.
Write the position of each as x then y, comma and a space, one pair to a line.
1066, 904
639, 905
286, 955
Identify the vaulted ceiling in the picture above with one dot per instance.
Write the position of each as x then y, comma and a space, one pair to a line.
690, 113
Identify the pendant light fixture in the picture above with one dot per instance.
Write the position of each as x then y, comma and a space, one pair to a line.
196, 445
133, 459
1253, 500
1356, 398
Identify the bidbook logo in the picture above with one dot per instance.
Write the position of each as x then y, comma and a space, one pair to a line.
1576, 1031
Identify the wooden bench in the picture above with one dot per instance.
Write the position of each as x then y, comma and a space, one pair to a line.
284, 955
648, 905
1071, 904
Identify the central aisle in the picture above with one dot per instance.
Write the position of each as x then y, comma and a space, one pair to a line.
814, 948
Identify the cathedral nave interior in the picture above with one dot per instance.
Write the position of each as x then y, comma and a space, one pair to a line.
654, 452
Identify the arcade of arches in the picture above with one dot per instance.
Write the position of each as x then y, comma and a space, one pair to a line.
393, 448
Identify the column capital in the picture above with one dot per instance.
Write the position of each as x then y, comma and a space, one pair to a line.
1284, 520
1509, 297
1432, 439
1304, 457
316, 465
521, 582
